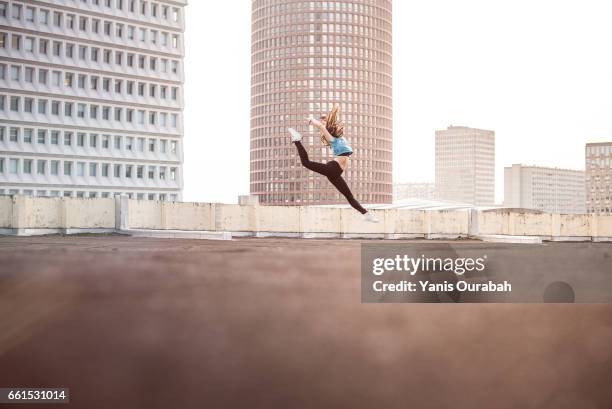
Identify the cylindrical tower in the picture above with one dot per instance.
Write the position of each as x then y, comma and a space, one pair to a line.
306, 56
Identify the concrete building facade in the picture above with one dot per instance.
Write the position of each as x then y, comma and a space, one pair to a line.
306, 56
598, 160
91, 98
550, 190
403, 191
465, 165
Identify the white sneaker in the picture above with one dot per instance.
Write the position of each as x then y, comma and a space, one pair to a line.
369, 217
295, 135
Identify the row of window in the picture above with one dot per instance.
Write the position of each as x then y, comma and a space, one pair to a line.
92, 194
142, 7
82, 169
91, 140
270, 7
90, 111
57, 48
66, 80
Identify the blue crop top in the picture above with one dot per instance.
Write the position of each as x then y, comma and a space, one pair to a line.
339, 146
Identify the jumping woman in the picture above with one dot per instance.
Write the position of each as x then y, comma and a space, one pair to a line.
332, 131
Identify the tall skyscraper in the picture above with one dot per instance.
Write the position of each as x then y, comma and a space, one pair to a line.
550, 190
599, 177
306, 56
465, 165
91, 98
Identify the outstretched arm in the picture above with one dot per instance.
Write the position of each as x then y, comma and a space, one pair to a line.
321, 128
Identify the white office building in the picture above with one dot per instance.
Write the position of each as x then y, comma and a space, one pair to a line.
465, 165
91, 98
404, 191
550, 190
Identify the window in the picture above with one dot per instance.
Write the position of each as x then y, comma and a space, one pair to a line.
128, 143
80, 169
105, 141
42, 136
68, 109
130, 60
82, 80
106, 113
95, 25
106, 84
67, 138
93, 169
57, 19
119, 30
29, 74
130, 32
107, 28
28, 44
93, 140
93, 83
175, 41
151, 145
16, 11
83, 23
57, 48
140, 172
142, 34
174, 122
15, 102
27, 166
54, 168
43, 16
162, 145
40, 167
151, 172
55, 107
55, 137
15, 72
81, 110
28, 104
175, 14
68, 79
42, 76
69, 50
128, 171
16, 42
3, 8
43, 46
29, 14
82, 52
118, 114
174, 67
117, 142
117, 171
118, 84
162, 92
67, 168
152, 117
42, 106
105, 169
27, 135
13, 165
3, 40
174, 93
70, 21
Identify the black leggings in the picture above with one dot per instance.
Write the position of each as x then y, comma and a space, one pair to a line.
333, 171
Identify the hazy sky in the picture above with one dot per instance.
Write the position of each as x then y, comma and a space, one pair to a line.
538, 73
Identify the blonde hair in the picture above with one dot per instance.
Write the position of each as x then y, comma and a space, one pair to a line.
333, 125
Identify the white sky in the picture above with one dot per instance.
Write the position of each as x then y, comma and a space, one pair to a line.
538, 73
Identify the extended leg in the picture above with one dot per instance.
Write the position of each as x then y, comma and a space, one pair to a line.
308, 164
343, 188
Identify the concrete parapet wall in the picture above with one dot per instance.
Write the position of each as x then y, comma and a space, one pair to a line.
26, 215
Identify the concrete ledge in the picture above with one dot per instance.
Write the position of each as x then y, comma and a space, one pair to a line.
404, 236
498, 238
320, 235
362, 235
569, 238
602, 239
264, 234
179, 234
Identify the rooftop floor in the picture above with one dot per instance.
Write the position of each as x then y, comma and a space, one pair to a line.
270, 323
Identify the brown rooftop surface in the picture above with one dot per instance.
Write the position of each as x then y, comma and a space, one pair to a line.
275, 323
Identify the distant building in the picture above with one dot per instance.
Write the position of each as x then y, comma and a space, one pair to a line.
599, 177
402, 191
465, 165
547, 189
